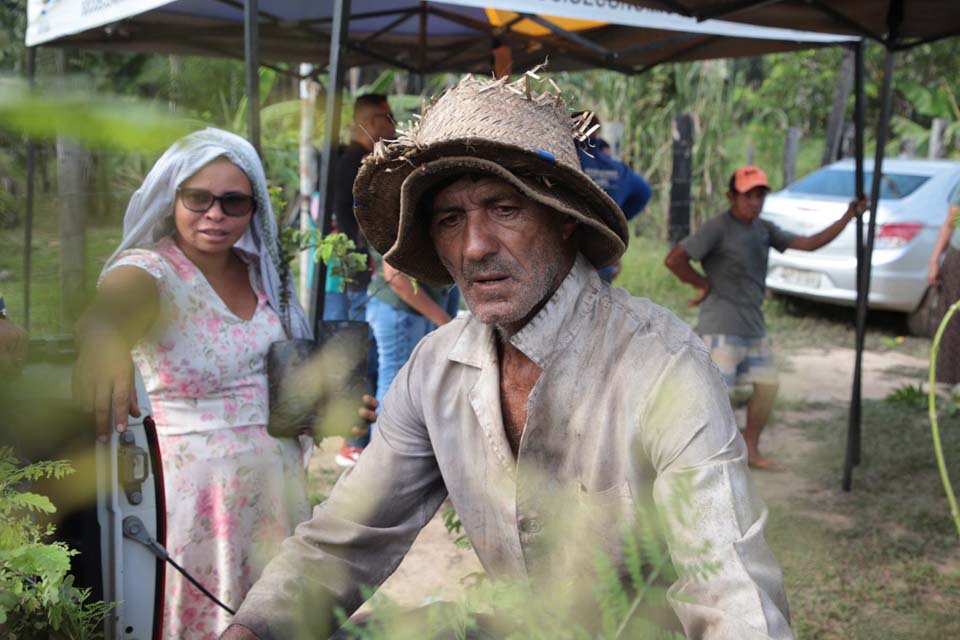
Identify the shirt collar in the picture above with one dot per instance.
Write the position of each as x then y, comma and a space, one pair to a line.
547, 332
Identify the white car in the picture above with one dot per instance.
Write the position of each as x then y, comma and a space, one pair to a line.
913, 204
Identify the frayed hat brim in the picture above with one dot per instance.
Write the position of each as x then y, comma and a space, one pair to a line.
413, 252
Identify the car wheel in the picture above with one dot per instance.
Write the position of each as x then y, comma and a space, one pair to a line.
924, 320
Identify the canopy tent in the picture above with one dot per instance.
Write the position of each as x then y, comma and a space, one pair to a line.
423, 37
897, 25
914, 21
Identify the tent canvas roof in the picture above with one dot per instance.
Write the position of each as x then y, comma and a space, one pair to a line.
920, 20
458, 32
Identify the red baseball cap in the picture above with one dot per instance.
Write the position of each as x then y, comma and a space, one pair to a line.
749, 177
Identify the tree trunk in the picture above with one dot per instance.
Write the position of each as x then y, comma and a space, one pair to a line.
356, 75
73, 169
841, 95
101, 200
308, 164
175, 71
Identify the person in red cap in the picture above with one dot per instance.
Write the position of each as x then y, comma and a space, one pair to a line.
732, 249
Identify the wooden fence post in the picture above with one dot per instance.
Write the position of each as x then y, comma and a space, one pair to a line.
937, 129
790, 150
679, 221
841, 95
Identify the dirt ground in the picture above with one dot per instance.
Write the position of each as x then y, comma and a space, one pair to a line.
436, 568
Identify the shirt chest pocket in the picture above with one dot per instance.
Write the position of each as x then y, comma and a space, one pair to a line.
603, 519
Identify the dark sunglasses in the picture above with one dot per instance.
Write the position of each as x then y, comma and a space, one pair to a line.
233, 204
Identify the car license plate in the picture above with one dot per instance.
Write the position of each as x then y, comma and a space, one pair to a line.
799, 277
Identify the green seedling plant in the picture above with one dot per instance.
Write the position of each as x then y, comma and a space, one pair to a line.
451, 522
335, 250
37, 595
909, 395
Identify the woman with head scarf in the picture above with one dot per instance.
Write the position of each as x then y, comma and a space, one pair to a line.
194, 295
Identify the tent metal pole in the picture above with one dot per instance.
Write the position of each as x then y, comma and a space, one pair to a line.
251, 54
339, 33
853, 425
853, 442
848, 22
858, 113
422, 62
28, 209
571, 36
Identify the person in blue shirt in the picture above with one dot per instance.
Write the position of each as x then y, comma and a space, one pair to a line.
630, 191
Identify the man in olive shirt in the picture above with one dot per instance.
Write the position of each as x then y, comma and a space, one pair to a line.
732, 248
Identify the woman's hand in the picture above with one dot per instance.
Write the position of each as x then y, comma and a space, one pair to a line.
103, 379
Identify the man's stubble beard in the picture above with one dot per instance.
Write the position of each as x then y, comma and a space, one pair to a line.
532, 297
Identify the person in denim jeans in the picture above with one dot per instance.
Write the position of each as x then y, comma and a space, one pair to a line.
372, 121
400, 315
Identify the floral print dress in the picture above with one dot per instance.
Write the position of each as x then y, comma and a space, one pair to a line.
233, 492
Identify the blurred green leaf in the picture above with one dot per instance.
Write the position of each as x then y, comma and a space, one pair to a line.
95, 121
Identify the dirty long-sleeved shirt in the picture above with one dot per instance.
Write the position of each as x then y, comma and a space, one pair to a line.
627, 407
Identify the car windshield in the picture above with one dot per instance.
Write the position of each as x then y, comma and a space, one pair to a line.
839, 182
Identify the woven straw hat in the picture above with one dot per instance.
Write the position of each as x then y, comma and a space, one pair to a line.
489, 127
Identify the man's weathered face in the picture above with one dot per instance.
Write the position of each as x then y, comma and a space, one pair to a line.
506, 252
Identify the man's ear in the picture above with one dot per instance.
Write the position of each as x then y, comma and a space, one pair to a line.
731, 197
567, 227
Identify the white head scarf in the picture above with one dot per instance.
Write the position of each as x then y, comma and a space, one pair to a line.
149, 216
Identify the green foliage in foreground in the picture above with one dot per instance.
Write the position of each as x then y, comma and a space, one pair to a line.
578, 604
37, 597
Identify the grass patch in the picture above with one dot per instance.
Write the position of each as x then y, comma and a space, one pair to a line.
45, 273
882, 561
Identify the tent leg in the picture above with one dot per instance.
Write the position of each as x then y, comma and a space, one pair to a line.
854, 432
422, 63
28, 213
339, 30
853, 425
251, 54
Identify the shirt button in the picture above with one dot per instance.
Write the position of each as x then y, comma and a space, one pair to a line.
530, 525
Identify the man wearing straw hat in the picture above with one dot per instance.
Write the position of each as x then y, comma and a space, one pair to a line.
550, 415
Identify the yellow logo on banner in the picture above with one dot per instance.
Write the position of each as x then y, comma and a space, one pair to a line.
499, 17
